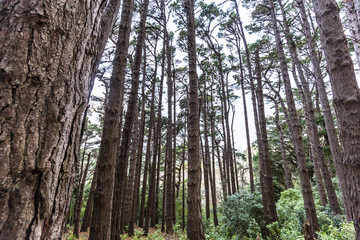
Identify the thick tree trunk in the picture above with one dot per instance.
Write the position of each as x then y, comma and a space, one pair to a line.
44, 96
121, 163
295, 130
346, 96
195, 228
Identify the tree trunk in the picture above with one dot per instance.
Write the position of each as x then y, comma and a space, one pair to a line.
79, 197
354, 26
44, 97
195, 227
266, 164
346, 96
103, 195
89, 204
329, 122
295, 130
121, 163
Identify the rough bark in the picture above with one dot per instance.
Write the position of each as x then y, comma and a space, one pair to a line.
195, 227
326, 110
295, 130
346, 95
121, 163
44, 92
103, 195
312, 127
354, 26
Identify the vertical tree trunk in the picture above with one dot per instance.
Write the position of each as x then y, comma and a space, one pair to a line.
346, 96
295, 130
89, 204
121, 163
103, 195
195, 227
329, 122
80, 196
313, 133
128, 198
266, 164
354, 26
44, 97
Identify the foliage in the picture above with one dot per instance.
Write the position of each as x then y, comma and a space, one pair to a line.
243, 215
346, 231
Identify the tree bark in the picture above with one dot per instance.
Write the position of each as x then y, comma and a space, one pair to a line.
195, 227
121, 163
44, 96
346, 95
295, 130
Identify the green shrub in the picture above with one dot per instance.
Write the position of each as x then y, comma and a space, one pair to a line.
243, 216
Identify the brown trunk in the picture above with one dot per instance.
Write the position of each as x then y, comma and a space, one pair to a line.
195, 228
44, 96
128, 198
152, 170
266, 163
329, 122
103, 195
78, 203
136, 191
89, 204
313, 133
121, 163
346, 96
169, 146
295, 130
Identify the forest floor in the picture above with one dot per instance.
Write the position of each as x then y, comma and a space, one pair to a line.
85, 235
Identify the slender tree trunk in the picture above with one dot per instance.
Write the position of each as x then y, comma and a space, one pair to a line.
89, 204
346, 96
80, 196
152, 183
266, 164
295, 130
136, 191
121, 164
128, 198
253, 98
147, 164
329, 122
195, 228
103, 195
319, 158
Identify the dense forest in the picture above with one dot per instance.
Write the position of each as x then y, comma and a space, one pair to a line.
179, 119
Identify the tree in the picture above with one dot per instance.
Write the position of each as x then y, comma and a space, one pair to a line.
103, 194
346, 95
195, 228
42, 112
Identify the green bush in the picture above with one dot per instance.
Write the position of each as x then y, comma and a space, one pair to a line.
243, 216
